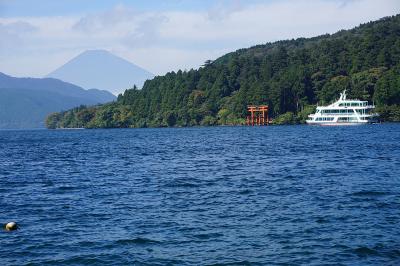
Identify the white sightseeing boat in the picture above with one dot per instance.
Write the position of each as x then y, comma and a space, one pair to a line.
344, 112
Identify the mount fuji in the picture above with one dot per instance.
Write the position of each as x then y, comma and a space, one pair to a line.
102, 70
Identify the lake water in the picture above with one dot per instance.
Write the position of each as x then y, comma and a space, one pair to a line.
286, 195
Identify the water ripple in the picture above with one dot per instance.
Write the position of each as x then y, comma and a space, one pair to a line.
290, 195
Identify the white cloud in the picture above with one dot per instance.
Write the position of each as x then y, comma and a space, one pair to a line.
13, 35
119, 16
224, 9
170, 40
18, 27
146, 32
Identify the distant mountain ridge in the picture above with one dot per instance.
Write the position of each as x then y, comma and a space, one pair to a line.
25, 102
55, 86
102, 70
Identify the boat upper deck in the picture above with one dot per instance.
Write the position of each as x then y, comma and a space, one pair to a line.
343, 103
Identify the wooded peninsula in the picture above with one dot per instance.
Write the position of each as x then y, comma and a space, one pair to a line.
291, 76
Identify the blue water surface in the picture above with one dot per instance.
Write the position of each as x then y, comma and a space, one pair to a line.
287, 195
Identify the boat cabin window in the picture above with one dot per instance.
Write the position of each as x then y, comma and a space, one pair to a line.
324, 118
337, 111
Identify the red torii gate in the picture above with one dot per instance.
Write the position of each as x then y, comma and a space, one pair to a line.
258, 115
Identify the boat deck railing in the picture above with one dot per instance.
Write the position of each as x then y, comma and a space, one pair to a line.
340, 114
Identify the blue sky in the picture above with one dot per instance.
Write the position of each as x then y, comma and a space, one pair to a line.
10, 8
38, 36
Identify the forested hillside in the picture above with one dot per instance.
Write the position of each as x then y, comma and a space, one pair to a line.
290, 76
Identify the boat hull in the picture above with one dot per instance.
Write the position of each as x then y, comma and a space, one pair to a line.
329, 123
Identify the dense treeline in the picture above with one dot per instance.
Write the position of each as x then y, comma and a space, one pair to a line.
290, 76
